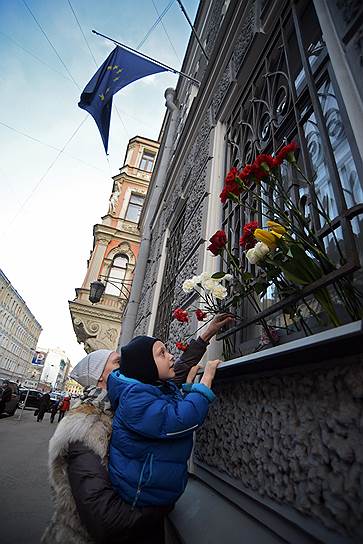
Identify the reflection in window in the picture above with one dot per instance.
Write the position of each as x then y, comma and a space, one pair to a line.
340, 146
134, 208
147, 161
117, 275
323, 182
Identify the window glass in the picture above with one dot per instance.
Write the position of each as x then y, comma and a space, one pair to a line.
147, 161
114, 285
134, 208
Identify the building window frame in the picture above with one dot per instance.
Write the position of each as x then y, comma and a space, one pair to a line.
134, 207
147, 160
279, 102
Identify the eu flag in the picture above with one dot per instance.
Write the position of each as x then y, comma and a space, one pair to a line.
119, 69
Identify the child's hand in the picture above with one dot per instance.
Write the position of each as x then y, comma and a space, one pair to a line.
192, 373
209, 372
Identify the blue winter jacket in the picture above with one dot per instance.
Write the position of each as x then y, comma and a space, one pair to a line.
152, 438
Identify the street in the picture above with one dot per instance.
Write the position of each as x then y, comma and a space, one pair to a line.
26, 505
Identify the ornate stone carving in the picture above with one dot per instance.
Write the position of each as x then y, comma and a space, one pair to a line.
295, 438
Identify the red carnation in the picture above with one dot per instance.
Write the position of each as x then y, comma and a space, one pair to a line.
287, 152
247, 240
218, 241
276, 162
181, 346
246, 172
181, 315
200, 315
232, 174
264, 161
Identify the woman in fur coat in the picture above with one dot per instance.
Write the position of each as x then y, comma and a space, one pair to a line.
87, 509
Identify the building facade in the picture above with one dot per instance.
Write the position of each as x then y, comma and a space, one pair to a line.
279, 457
19, 333
73, 387
115, 250
55, 369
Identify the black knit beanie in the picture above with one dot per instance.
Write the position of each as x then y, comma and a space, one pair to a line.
137, 360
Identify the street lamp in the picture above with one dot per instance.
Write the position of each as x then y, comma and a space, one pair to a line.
97, 288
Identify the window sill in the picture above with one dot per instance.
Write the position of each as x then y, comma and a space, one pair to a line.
338, 342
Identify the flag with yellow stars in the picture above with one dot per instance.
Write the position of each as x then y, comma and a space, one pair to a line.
121, 68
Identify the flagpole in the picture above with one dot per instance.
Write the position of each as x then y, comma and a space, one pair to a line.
193, 29
169, 68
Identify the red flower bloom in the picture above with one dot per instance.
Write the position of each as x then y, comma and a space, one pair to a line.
224, 195
200, 315
181, 346
231, 175
181, 315
287, 152
247, 239
231, 185
265, 162
276, 162
246, 172
218, 242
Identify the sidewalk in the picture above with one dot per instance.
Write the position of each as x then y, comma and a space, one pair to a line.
26, 505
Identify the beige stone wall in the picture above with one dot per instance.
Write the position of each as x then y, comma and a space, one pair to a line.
19, 333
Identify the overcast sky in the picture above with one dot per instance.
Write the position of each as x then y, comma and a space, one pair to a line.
48, 211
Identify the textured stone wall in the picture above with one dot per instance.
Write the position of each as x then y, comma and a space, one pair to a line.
295, 438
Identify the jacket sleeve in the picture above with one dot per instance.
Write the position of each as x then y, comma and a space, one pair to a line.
153, 417
188, 359
105, 516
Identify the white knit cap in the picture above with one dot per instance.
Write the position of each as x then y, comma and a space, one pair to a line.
89, 370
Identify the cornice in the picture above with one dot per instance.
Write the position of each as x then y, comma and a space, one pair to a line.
78, 309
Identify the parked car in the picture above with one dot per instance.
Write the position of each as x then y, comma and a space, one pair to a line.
33, 399
13, 403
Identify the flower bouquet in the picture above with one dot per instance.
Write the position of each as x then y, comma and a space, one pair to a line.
287, 255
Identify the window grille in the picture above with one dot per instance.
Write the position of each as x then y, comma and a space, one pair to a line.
171, 270
292, 94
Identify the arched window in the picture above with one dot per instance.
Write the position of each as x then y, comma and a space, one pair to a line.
117, 275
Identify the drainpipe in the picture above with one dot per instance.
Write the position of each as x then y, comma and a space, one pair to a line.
129, 322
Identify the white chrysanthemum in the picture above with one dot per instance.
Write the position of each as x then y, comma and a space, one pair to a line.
210, 284
257, 253
204, 276
188, 286
219, 292
228, 277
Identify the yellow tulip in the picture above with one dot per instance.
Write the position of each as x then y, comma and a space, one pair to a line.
276, 227
266, 237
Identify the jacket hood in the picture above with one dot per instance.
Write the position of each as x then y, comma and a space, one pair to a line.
117, 383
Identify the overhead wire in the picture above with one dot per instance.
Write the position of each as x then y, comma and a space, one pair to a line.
95, 62
155, 24
166, 32
51, 44
46, 173
36, 57
48, 145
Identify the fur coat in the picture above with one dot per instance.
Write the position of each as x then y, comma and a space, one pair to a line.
92, 426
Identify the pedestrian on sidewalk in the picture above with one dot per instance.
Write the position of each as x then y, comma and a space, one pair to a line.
53, 410
43, 406
87, 508
5, 395
152, 431
64, 406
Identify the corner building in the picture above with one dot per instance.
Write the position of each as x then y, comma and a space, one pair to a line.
115, 249
279, 458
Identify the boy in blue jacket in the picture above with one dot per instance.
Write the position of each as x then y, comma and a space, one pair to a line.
153, 425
